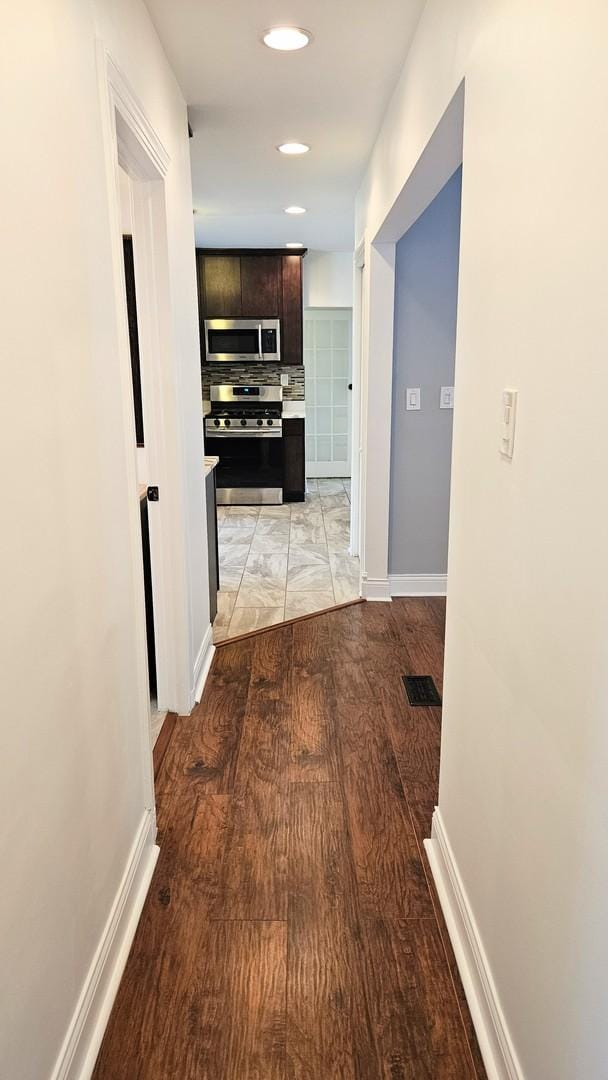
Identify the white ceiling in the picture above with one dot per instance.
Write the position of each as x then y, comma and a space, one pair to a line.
244, 99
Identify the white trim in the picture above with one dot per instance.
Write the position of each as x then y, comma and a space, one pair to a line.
203, 665
339, 470
375, 588
377, 387
354, 546
495, 1043
418, 584
143, 147
80, 1048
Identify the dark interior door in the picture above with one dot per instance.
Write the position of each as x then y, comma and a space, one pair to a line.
127, 248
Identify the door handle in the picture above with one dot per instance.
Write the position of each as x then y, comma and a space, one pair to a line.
260, 340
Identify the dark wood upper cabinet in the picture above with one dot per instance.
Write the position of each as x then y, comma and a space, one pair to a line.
221, 286
253, 284
291, 314
260, 277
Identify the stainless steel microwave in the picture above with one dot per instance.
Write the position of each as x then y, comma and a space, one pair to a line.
243, 339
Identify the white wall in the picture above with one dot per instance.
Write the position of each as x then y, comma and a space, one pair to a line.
327, 279
73, 783
525, 741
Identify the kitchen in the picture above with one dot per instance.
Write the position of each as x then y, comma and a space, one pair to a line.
281, 544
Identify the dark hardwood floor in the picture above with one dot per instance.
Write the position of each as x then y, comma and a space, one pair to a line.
292, 929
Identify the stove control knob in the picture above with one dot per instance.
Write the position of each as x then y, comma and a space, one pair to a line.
217, 423
260, 422
226, 423
269, 422
243, 423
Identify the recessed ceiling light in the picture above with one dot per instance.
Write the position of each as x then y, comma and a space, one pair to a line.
287, 38
294, 245
295, 209
293, 148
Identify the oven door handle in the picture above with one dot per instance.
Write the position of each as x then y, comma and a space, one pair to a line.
260, 340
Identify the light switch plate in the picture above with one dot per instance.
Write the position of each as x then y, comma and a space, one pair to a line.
507, 433
412, 398
446, 397
285, 378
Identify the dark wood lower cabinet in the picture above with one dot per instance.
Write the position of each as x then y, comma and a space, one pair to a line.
212, 544
294, 460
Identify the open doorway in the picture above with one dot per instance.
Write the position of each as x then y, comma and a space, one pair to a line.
387, 403
285, 561
423, 395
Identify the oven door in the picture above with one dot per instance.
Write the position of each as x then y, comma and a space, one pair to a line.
250, 469
242, 339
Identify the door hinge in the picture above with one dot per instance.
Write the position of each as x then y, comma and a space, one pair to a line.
152, 494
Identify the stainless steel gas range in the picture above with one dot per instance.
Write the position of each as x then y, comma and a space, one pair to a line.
244, 429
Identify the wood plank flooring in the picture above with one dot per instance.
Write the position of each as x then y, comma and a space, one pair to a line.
292, 931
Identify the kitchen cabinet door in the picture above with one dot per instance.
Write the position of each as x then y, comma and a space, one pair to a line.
221, 286
294, 460
291, 315
260, 286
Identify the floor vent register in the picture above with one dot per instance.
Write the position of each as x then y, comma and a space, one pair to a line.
421, 690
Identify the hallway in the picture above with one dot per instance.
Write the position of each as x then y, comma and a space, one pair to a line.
291, 929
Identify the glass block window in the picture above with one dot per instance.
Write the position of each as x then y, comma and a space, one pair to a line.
327, 370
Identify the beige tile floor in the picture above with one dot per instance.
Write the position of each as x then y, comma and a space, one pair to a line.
277, 562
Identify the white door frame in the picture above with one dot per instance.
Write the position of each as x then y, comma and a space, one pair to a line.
358, 410
374, 313
131, 143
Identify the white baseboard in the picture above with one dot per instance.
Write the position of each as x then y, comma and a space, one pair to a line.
326, 470
495, 1043
375, 588
202, 666
80, 1048
418, 584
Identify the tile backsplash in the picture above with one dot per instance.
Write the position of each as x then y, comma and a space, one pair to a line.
255, 374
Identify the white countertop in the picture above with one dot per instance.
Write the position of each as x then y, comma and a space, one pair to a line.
210, 464
294, 410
